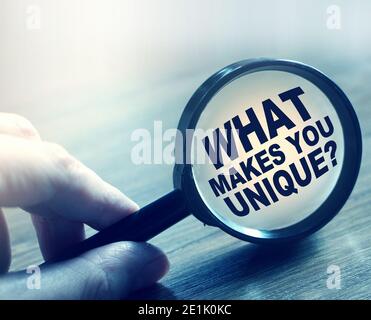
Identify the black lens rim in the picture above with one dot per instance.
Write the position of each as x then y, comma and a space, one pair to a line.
183, 176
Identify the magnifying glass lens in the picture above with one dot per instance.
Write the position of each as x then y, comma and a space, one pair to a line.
268, 151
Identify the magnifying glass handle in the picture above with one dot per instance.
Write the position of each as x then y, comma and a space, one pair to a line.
141, 226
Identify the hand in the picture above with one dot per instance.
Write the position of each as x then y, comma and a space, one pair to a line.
62, 194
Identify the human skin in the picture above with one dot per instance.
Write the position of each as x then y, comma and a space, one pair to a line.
62, 195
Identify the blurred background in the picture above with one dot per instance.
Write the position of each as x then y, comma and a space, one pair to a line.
89, 72
52, 50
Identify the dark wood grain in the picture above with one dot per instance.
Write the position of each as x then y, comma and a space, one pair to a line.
206, 263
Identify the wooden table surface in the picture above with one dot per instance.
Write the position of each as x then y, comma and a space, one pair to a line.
205, 262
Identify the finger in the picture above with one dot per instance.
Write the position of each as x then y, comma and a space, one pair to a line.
56, 234
108, 272
60, 189
81, 195
45, 179
17, 125
25, 171
12, 124
5, 252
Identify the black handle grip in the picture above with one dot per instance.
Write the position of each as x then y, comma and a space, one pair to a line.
141, 226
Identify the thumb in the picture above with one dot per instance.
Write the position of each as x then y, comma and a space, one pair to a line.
109, 272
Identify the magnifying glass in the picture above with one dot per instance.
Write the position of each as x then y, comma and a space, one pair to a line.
267, 150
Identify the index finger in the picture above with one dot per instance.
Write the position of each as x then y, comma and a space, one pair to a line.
45, 179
